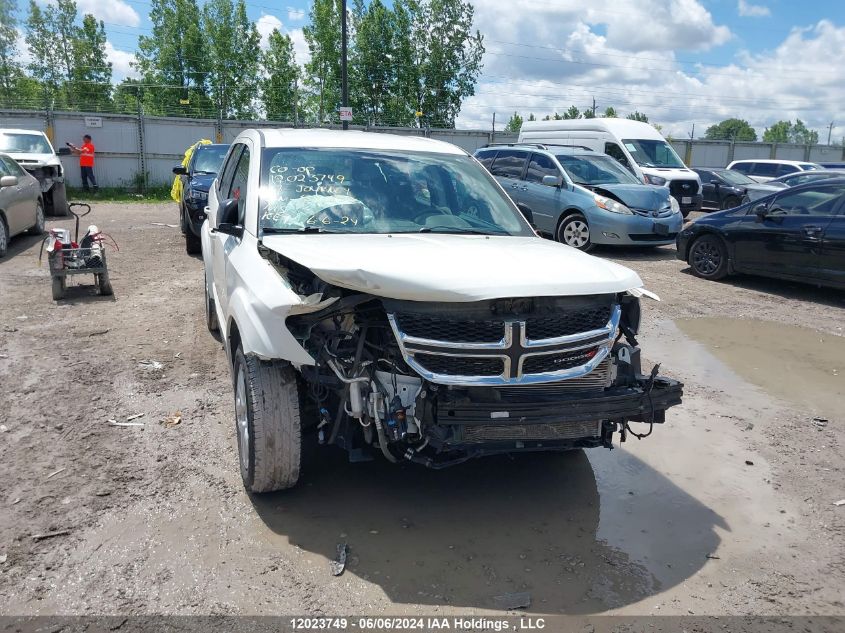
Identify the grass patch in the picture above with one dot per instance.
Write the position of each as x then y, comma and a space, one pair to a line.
120, 194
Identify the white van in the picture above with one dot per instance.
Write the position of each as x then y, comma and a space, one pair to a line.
637, 145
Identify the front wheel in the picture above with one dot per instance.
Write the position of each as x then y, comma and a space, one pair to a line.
708, 257
38, 227
193, 245
730, 202
58, 200
4, 237
575, 232
267, 422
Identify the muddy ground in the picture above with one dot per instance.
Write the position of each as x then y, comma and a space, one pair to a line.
727, 508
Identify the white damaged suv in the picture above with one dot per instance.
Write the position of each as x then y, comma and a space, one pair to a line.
33, 151
383, 294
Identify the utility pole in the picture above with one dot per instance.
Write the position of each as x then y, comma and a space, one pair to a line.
493, 136
343, 81
829, 132
594, 107
692, 134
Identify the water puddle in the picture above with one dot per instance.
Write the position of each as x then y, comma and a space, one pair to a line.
801, 365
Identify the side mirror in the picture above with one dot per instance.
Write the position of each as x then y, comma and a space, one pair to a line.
63, 151
714, 182
551, 181
760, 211
8, 181
227, 218
180, 171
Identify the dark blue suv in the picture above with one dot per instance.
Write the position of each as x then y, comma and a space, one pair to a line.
196, 180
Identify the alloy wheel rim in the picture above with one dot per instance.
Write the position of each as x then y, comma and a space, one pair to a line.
706, 258
576, 234
242, 418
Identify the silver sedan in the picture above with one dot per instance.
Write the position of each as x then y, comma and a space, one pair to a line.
21, 207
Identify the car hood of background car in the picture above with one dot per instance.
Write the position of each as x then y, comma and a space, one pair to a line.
41, 159
635, 196
454, 268
202, 182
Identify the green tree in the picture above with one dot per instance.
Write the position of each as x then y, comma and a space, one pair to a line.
731, 130
10, 70
372, 77
588, 114
800, 134
572, 113
43, 66
610, 113
62, 19
91, 72
322, 72
279, 86
637, 116
778, 133
172, 60
514, 124
233, 53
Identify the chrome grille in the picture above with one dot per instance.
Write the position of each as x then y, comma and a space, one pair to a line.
554, 431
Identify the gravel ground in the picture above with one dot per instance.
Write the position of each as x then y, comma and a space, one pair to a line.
727, 509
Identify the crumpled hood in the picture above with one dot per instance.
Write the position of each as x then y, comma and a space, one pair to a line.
458, 268
648, 197
41, 159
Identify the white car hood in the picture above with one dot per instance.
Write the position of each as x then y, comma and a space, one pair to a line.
459, 268
41, 159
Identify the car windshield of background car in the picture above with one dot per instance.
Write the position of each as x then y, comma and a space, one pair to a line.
371, 191
596, 170
649, 153
24, 144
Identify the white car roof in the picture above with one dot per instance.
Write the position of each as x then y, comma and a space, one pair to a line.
622, 128
12, 130
317, 137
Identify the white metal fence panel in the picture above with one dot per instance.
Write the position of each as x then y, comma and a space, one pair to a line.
714, 155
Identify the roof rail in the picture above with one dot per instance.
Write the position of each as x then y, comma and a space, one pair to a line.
544, 146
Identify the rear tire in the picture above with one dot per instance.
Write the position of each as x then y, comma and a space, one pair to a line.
58, 287
4, 237
575, 232
730, 202
193, 245
708, 257
38, 227
58, 200
267, 423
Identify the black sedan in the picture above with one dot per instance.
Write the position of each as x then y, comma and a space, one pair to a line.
796, 234
196, 180
726, 188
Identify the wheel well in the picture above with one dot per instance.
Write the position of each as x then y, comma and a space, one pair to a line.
565, 215
234, 339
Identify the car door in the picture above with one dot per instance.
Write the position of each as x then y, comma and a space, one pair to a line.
543, 201
709, 191
221, 243
787, 240
508, 167
13, 199
832, 257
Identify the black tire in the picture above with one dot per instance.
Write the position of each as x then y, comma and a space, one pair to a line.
210, 310
38, 227
708, 257
574, 231
104, 284
59, 285
267, 423
730, 202
193, 245
58, 200
4, 237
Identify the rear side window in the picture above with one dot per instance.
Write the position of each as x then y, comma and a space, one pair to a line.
486, 158
240, 180
787, 169
768, 170
509, 164
706, 176
743, 168
225, 181
818, 201
540, 166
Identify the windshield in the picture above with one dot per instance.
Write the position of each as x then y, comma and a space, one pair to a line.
209, 158
810, 166
24, 144
596, 170
369, 191
734, 177
649, 153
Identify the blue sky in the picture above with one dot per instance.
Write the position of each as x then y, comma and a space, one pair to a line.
682, 62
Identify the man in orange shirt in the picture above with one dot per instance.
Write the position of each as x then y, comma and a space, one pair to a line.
86, 161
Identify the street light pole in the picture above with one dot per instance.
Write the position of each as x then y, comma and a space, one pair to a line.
343, 81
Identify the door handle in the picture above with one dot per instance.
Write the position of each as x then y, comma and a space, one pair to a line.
812, 230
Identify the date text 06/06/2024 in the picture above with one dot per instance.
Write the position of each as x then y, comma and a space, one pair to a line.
455, 623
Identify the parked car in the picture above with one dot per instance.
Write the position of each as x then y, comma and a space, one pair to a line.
196, 180
638, 146
790, 180
796, 234
383, 294
582, 198
835, 165
726, 188
764, 170
33, 151
21, 205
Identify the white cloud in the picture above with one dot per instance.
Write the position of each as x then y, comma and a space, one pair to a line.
295, 15
111, 11
300, 46
121, 62
748, 10
266, 24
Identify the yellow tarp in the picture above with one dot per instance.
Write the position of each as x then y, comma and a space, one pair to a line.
176, 189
